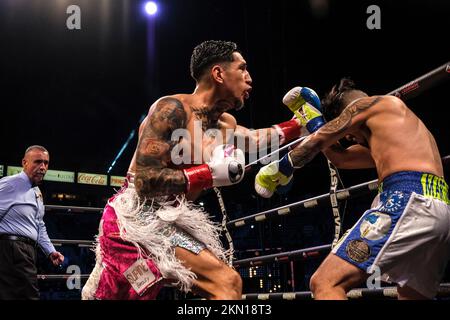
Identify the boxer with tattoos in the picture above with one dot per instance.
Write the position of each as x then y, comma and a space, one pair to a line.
151, 230
405, 234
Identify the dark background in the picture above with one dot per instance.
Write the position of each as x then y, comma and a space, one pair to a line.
81, 92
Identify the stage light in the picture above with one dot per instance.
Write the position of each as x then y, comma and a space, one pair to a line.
151, 8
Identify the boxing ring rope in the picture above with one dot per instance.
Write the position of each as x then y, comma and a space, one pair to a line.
62, 276
290, 144
79, 243
423, 83
446, 160
283, 256
385, 292
72, 209
342, 194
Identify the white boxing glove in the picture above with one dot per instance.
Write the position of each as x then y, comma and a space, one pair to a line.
226, 167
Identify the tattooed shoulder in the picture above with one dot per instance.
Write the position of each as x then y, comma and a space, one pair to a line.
155, 140
344, 120
169, 114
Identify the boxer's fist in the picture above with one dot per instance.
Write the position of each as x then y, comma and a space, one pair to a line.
305, 104
226, 167
298, 96
272, 176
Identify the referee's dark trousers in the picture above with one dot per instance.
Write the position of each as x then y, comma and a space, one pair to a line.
18, 272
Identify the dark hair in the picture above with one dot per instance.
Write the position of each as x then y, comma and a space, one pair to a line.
208, 53
334, 101
34, 147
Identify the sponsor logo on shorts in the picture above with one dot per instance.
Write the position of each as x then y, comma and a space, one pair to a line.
358, 250
394, 202
375, 226
140, 276
435, 187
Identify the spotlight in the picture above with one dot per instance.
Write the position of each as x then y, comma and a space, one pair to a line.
151, 8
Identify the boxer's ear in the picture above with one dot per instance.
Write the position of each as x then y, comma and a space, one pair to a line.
217, 73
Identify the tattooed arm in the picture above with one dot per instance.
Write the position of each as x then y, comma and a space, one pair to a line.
246, 139
255, 140
267, 138
153, 178
351, 118
272, 137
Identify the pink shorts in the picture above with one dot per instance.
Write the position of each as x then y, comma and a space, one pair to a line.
124, 275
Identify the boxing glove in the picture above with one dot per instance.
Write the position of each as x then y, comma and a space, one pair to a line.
305, 104
226, 167
272, 176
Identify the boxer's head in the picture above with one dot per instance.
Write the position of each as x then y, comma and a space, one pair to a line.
220, 65
340, 96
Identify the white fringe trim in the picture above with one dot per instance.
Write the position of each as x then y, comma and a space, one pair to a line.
149, 229
91, 285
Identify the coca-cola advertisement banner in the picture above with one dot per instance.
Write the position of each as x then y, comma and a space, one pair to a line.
92, 178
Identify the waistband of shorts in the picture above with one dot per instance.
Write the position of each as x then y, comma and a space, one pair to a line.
426, 184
